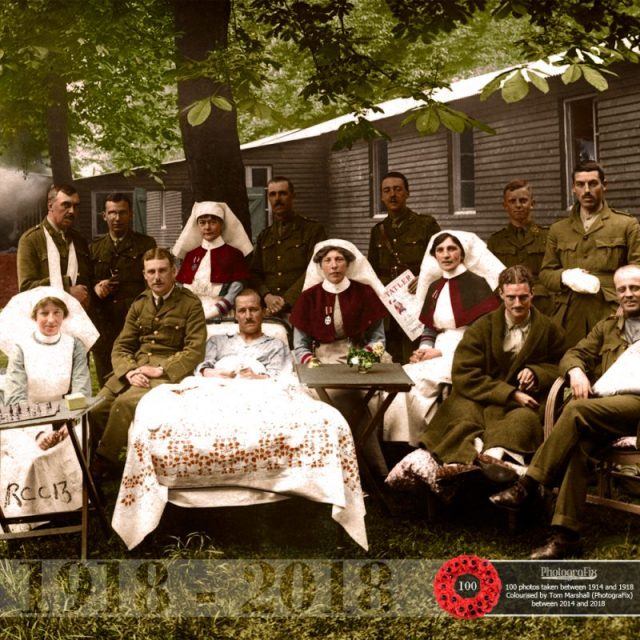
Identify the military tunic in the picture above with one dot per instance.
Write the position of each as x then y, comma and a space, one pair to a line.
408, 238
484, 378
612, 241
281, 256
585, 426
526, 246
173, 337
123, 260
407, 241
33, 267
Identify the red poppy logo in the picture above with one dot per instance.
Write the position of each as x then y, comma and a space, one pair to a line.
467, 587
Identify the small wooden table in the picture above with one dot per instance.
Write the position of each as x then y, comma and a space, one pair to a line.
63, 416
388, 377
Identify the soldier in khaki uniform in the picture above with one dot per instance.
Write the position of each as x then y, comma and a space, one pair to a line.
583, 252
283, 250
117, 276
55, 235
522, 241
162, 341
396, 244
587, 424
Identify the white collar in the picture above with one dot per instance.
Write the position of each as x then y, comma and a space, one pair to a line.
343, 285
447, 275
510, 323
218, 242
40, 338
165, 297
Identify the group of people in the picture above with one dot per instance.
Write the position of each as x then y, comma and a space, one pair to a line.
497, 318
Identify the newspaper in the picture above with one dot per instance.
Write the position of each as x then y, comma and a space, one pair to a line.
404, 306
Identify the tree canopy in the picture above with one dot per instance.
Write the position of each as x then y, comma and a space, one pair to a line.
108, 70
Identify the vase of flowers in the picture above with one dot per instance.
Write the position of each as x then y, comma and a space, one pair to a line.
364, 359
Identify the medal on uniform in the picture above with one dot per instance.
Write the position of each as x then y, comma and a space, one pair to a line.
327, 318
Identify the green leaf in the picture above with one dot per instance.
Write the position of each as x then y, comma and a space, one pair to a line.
410, 118
199, 112
491, 87
222, 103
573, 73
451, 120
478, 124
595, 78
515, 88
538, 81
428, 121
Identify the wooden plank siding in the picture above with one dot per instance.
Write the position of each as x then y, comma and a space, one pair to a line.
176, 179
619, 142
304, 162
335, 186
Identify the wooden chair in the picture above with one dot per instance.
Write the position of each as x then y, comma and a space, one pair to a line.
608, 462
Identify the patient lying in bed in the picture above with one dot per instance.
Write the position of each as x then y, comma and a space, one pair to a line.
251, 434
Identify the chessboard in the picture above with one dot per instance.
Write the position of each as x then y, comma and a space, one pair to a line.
27, 411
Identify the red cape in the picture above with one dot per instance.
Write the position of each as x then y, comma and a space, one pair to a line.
471, 297
227, 265
359, 304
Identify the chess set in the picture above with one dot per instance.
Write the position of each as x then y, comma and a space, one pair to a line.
27, 411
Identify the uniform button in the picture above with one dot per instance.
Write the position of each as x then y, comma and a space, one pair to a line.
395, 240
153, 341
279, 242
155, 333
277, 257
177, 326
279, 273
585, 237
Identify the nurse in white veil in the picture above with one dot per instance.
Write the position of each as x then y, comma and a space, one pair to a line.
213, 246
457, 279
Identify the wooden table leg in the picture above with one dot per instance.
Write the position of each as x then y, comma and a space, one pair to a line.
87, 484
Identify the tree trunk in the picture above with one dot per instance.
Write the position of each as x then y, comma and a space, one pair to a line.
58, 130
212, 149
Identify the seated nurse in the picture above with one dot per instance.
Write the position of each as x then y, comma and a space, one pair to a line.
47, 359
339, 307
213, 246
457, 280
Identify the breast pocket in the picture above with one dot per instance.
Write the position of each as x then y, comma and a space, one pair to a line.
567, 253
412, 252
610, 253
609, 352
172, 332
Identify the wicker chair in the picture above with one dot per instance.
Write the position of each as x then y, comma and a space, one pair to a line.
608, 461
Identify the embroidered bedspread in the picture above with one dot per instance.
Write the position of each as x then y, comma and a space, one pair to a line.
259, 435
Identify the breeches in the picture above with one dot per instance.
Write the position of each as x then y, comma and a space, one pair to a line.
584, 427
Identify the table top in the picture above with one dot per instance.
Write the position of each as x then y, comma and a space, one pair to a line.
387, 376
62, 415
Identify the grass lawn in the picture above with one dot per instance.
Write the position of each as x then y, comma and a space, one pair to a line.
297, 529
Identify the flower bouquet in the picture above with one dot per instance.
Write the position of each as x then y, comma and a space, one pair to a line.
364, 359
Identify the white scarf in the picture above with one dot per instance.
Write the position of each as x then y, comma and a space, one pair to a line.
53, 259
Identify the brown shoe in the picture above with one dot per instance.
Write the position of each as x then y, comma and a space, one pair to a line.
512, 498
495, 470
559, 546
